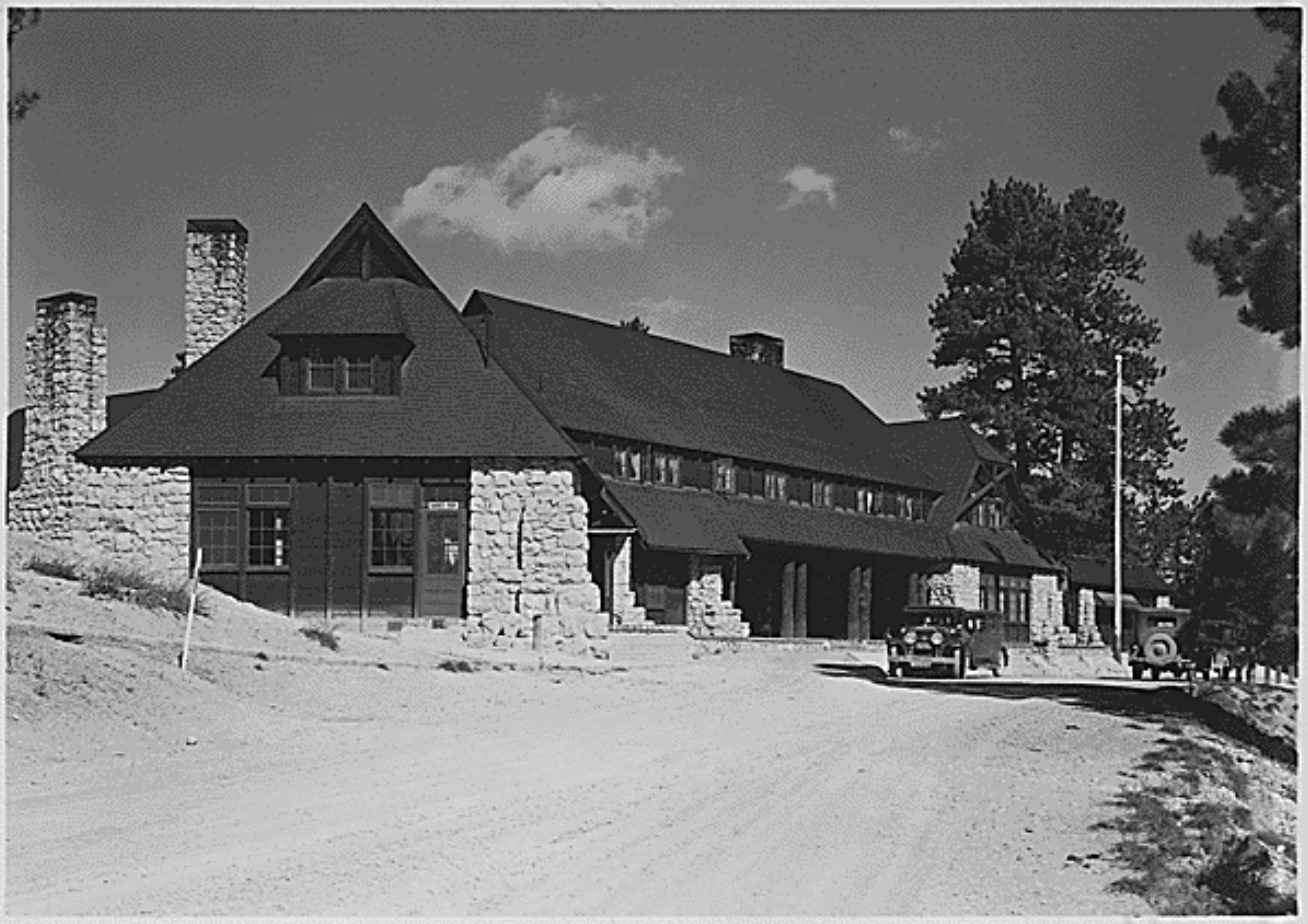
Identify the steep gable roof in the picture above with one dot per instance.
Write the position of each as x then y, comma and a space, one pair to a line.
594, 377
453, 402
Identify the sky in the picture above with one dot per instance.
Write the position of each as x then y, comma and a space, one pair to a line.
806, 174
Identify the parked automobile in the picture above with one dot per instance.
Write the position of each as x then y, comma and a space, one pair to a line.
948, 639
1161, 640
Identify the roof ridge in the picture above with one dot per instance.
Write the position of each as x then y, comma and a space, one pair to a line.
616, 326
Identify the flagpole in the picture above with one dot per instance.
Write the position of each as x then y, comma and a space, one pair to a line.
1117, 521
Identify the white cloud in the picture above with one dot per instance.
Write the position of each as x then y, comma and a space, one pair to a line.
558, 108
806, 183
909, 142
557, 192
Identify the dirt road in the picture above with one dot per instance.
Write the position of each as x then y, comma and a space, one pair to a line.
751, 783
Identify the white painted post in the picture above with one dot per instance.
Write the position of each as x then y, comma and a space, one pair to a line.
1117, 522
190, 610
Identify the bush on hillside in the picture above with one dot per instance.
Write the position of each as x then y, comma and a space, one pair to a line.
114, 582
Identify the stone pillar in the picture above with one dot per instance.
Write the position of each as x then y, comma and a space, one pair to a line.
527, 559
1047, 611
708, 612
1087, 632
959, 586
801, 600
216, 289
625, 610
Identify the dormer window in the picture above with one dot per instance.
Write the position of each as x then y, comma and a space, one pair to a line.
335, 365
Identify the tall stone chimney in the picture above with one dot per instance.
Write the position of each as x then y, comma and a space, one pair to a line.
66, 371
759, 348
216, 289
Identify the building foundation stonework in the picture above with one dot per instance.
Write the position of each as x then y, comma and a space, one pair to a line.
1047, 612
528, 578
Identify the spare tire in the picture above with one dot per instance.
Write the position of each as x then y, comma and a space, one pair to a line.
1160, 648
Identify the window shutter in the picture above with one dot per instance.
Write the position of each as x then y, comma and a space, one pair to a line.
288, 375
382, 368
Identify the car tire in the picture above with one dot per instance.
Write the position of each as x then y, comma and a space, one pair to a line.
1155, 674
1137, 672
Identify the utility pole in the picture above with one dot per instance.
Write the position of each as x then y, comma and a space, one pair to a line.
1117, 522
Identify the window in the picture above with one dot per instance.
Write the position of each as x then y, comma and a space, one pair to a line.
988, 512
989, 592
774, 486
358, 374
628, 463
724, 476
218, 524
824, 494
267, 529
883, 502
320, 374
667, 468
268, 534
392, 522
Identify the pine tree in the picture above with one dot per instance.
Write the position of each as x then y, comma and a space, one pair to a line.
1033, 313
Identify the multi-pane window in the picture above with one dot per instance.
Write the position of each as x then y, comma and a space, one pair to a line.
628, 461
268, 534
358, 374
1015, 598
774, 485
824, 494
218, 524
320, 374
392, 524
268, 517
724, 476
988, 512
667, 468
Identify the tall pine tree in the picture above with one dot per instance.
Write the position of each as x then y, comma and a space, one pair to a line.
1033, 313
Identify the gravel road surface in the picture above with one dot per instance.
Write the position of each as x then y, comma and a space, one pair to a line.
760, 782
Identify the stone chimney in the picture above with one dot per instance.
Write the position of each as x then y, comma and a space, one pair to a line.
759, 348
65, 375
216, 290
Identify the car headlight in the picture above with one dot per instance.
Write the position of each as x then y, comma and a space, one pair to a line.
937, 639
910, 637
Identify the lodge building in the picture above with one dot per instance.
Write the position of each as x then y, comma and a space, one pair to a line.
361, 449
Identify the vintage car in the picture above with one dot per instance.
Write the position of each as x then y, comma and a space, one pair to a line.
948, 639
1160, 640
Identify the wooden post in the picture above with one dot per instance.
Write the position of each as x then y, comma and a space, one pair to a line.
190, 609
851, 606
788, 600
801, 600
865, 602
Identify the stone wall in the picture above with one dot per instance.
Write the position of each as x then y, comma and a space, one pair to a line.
959, 586
216, 287
707, 611
527, 559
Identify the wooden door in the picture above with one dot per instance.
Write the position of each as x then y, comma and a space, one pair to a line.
443, 553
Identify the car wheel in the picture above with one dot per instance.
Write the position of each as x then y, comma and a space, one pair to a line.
1137, 672
1155, 673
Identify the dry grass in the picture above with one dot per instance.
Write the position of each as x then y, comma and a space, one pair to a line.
113, 582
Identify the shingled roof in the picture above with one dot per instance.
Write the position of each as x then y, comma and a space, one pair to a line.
594, 377
1098, 575
950, 451
453, 401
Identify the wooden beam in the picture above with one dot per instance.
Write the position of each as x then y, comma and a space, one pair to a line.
865, 602
788, 600
852, 624
801, 600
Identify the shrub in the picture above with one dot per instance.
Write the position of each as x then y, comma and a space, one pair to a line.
324, 636
113, 582
53, 567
